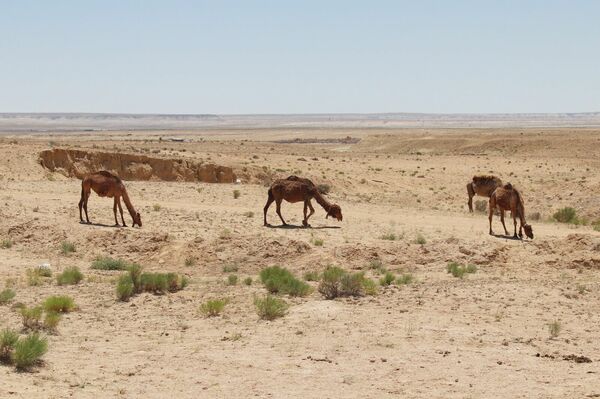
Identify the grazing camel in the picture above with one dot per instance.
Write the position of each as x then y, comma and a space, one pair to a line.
483, 186
105, 184
508, 198
296, 189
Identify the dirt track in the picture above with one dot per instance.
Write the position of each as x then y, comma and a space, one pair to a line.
440, 337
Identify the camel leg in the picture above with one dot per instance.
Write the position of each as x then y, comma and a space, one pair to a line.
471, 193
305, 221
121, 211
115, 210
312, 211
502, 220
266, 208
85, 203
515, 223
81, 205
490, 217
278, 209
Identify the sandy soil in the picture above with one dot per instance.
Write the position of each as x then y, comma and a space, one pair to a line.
483, 336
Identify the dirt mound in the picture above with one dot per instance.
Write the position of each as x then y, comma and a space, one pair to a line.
78, 163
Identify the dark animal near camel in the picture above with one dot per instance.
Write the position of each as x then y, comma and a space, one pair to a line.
483, 186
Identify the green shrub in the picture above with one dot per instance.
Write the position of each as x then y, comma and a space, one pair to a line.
390, 236
387, 279
6, 244
311, 276
28, 351
352, 284
377, 265
566, 215
156, 207
554, 328
270, 307
42, 271
70, 276
51, 321
317, 242
135, 273
213, 307
154, 282
458, 270
108, 263
236, 194
31, 317
6, 296
330, 283
596, 225
125, 287
8, 339
248, 281
34, 276
59, 304
67, 247
280, 280
369, 287
420, 240
404, 279
232, 279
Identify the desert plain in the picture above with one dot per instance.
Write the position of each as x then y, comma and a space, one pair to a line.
525, 324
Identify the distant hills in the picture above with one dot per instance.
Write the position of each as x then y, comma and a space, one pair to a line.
50, 122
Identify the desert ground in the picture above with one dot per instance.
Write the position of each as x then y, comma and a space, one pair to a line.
404, 201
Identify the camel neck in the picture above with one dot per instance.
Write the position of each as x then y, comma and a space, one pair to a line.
322, 201
128, 204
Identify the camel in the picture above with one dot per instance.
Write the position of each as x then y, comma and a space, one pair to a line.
105, 184
483, 186
296, 189
508, 198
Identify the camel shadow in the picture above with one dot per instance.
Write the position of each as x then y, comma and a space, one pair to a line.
295, 226
505, 237
101, 225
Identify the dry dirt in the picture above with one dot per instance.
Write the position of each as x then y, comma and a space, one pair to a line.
486, 335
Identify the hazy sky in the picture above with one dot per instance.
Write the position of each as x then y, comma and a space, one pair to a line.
299, 56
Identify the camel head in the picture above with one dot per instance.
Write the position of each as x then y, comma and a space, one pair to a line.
335, 212
137, 219
528, 230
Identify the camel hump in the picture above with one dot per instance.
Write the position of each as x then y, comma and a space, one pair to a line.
508, 186
485, 179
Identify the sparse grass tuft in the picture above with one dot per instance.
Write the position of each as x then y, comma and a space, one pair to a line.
270, 307
248, 281
232, 268
387, 279
6, 296
31, 317
554, 328
405, 279
190, 261
59, 304
377, 265
51, 321
370, 287
232, 279
337, 282
481, 206
389, 236
458, 270
6, 244
28, 351
156, 207
108, 263
8, 340
566, 215
67, 247
213, 307
311, 276
317, 242
236, 194
596, 225
125, 287
249, 214
70, 276
420, 239
280, 280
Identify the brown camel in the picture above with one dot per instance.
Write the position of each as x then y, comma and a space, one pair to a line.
508, 198
296, 189
483, 186
105, 184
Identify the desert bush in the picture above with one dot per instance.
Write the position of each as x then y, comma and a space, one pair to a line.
352, 284
43, 271
34, 276
213, 307
566, 215
67, 247
6, 296
6, 243
596, 225
280, 280
125, 288
154, 282
248, 281
389, 236
377, 265
324, 188
225, 234
135, 273
405, 279
232, 279
231, 268
28, 351
51, 321
369, 287
108, 263
387, 279
311, 276
329, 286
70, 276
458, 270
236, 194
189, 261
554, 328
8, 340
156, 207
337, 282
31, 317
59, 304
481, 206
317, 242
420, 239
270, 307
